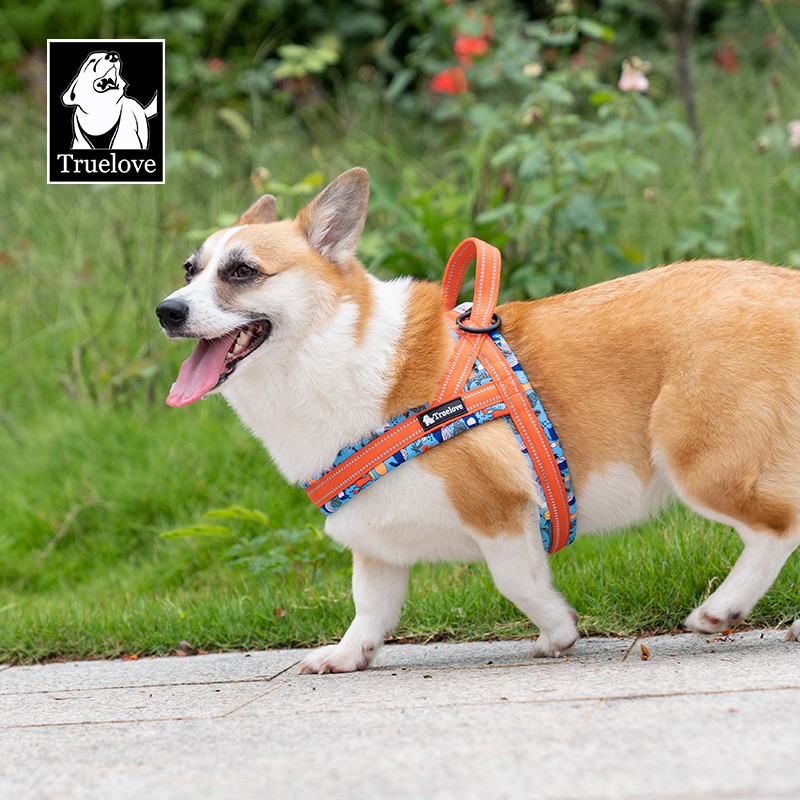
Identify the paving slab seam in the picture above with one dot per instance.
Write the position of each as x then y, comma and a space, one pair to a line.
601, 703
124, 687
710, 795
538, 701
254, 699
96, 722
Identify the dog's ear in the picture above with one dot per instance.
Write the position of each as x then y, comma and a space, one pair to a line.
334, 219
262, 212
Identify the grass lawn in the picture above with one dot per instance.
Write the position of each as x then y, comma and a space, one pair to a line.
95, 466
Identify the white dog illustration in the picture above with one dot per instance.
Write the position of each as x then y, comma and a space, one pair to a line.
104, 118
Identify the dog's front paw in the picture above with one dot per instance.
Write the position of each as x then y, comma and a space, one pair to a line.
793, 634
708, 619
555, 643
337, 658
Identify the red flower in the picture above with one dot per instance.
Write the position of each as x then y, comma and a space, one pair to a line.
450, 81
216, 64
727, 59
467, 46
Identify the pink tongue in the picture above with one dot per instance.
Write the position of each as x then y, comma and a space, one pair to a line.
200, 372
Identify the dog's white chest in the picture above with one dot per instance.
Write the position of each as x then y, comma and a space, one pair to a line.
402, 519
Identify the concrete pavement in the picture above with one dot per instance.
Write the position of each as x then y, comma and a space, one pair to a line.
714, 717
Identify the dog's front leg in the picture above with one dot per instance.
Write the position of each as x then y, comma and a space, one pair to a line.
520, 571
378, 591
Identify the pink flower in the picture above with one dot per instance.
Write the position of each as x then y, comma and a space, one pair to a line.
633, 77
216, 64
794, 133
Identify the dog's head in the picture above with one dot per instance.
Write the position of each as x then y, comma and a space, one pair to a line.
255, 290
98, 84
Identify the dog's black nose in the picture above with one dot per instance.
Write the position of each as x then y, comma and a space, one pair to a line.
113, 56
172, 313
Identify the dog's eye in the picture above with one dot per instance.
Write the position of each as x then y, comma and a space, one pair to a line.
190, 271
243, 272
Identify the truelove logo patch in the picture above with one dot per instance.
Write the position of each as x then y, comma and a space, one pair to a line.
105, 111
431, 417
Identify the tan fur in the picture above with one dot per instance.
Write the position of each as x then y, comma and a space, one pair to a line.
281, 246
487, 480
422, 352
713, 388
262, 212
357, 289
621, 376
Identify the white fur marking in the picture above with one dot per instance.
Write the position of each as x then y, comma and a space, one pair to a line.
753, 573
308, 396
381, 521
378, 592
206, 319
615, 498
521, 572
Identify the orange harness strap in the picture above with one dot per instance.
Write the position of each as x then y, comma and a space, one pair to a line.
474, 345
503, 391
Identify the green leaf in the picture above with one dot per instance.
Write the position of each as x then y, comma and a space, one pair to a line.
196, 530
793, 258
237, 512
538, 285
639, 167
600, 98
504, 211
680, 131
560, 38
295, 51
580, 213
190, 20
194, 159
401, 80
631, 253
595, 30
533, 165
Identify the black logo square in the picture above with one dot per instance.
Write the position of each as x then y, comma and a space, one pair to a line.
105, 111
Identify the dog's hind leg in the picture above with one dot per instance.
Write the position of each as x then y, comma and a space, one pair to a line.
378, 592
752, 575
519, 567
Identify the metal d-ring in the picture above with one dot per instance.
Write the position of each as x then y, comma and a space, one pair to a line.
493, 326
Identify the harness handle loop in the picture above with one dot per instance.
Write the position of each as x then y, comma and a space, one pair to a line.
487, 279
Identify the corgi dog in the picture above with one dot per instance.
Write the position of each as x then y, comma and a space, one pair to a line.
677, 382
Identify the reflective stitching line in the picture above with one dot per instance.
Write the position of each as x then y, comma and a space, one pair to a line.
469, 398
524, 430
399, 444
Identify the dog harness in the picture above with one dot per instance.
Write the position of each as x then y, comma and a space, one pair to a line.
483, 381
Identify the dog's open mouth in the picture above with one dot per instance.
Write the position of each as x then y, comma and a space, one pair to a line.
108, 81
214, 361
